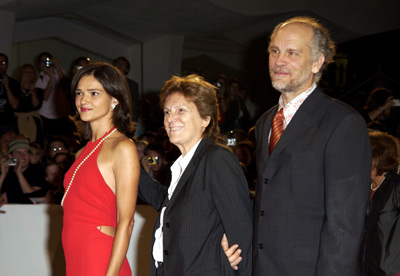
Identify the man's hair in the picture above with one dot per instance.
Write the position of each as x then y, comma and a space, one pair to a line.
115, 85
196, 90
321, 44
157, 147
123, 59
44, 54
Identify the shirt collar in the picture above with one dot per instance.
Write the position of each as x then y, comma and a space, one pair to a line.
183, 161
300, 98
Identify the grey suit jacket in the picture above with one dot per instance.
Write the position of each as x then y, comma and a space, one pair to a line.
312, 191
211, 198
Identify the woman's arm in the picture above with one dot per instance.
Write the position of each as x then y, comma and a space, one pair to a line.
232, 201
151, 191
126, 170
13, 100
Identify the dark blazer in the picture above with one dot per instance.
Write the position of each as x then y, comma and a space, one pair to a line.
312, 191
211, 198
380, 249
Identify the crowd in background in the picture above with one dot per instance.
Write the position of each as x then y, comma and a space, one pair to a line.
37, 110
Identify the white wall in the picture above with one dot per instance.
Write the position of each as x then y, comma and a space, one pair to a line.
30, 240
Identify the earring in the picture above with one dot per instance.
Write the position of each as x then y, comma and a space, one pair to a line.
113, 106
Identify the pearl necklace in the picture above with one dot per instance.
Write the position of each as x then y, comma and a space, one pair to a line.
83, 161
374, 189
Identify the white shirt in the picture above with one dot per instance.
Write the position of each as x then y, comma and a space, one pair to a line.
56, 106
177, 170
290, 109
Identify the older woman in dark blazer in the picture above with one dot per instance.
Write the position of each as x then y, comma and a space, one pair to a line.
208, 195
380, 250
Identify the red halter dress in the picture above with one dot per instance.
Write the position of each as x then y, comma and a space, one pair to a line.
89, 203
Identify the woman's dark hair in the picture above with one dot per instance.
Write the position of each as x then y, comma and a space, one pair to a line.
196, 90
47, 54
384, 152
377, 98
116, 86
157, 147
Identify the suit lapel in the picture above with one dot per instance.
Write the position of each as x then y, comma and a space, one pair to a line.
191, 167
301, 121
266, 127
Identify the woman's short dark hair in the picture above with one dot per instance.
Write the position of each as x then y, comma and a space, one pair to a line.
115, 85
384, 152
198, 91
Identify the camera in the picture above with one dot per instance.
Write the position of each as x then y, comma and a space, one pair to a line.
218, 84
153, 160
12, 162
48, 62
231, 142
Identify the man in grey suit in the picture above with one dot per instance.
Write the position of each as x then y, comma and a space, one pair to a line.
312, 187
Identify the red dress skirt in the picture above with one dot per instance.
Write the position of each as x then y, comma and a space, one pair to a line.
88, 204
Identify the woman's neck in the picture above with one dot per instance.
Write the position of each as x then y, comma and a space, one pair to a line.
99, 131
377, 180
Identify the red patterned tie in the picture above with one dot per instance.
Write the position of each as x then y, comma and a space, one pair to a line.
276, 129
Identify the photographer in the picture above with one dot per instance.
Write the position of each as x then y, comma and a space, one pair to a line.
18, 176
154, 163
56, 104
382, 110
9, 100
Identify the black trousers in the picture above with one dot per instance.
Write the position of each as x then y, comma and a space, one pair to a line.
160, 269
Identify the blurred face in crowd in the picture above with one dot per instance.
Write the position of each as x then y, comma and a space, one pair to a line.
28, 75
23, 157
43, 60
157, 165
5, 139
57, 147
36, 156
3, 65
53, 174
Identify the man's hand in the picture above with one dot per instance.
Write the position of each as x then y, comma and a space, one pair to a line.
5, 82
145, 163
4, 167
3, 200
232, 253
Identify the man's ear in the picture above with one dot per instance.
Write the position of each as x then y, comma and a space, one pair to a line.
316, 65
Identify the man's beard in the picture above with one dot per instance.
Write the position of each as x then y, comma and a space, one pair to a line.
293, 85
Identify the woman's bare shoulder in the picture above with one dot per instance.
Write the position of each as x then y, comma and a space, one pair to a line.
122, 145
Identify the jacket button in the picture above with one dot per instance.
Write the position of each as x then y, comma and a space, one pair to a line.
165, 252
262, 213
260, 246
167, 225
266, 181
